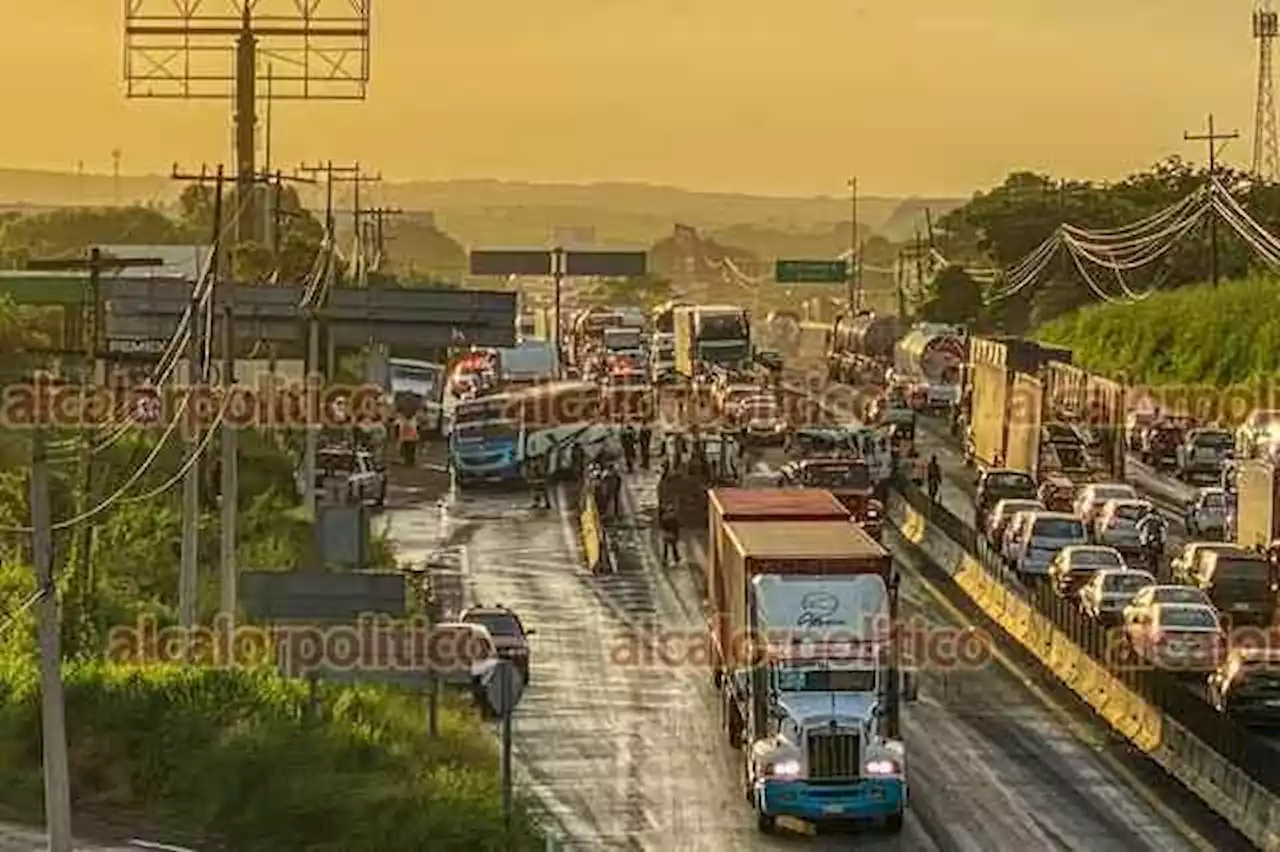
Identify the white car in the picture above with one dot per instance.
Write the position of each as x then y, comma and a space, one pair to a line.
1111, 590
1117, 524
1094, 496
1013, 533
1003, 513
1074, 565
1152, 595
1206, 516
1180, 636
1042, 537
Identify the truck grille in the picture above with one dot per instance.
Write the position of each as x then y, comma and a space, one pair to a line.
834, 756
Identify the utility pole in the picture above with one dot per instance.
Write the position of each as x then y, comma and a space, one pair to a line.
379, 234
854, 294
229, 466
557, 277
276, 181
197, 376
352, 174
57, 783
1212, 138
81, 591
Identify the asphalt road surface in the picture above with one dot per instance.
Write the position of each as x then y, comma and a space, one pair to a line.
628, 754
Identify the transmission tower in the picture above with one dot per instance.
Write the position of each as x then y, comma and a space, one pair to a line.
1266, 143
194, 49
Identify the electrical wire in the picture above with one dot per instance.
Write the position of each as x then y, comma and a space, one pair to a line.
169, 360
132, 480
11, 619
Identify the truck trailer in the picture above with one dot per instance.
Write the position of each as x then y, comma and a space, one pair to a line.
812, 685
1257, 523
725, 505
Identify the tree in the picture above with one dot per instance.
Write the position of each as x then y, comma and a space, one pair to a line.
954, 297
71, 231
645, 291
1003, 226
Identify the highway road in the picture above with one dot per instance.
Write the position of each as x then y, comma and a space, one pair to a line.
630, 756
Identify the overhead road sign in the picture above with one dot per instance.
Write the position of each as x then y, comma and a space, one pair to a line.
606, 264
603, 264
151, 310
811, 272
511, 262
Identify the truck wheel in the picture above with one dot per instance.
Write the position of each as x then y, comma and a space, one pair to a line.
894, 823
766, 823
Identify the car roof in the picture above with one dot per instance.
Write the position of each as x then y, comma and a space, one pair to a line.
1213, 489
1107, 572
1072, 549
1128, 501
1054, 516
1173, 607
1094, 486
487, 610
1006, 471
1159, 586
1021, 504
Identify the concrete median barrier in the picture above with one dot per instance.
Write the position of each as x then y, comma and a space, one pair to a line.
1247, 805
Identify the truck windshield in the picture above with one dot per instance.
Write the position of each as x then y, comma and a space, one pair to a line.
722, 326
827, 680
424, 375
490, 431
837, 476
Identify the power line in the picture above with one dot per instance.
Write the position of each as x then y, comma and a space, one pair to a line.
1211, 139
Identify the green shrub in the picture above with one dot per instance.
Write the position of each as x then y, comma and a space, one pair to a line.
235, 756
1217, 337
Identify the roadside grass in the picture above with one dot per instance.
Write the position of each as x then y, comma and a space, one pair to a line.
240, 757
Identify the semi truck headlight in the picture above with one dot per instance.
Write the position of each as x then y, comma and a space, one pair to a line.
785, 769
882, 767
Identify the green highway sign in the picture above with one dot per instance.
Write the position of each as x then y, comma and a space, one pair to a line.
811, 272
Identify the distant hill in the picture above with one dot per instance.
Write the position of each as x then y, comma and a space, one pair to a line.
500, 213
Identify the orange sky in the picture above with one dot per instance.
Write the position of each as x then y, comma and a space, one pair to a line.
925, 97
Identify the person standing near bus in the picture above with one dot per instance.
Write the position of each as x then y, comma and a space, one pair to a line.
408, 436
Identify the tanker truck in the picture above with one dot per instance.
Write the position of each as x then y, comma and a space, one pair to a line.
811, 683
931, 357
861, 347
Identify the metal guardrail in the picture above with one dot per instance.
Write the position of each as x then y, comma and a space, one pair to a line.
1236, 743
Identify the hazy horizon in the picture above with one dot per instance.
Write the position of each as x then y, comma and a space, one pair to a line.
928, 100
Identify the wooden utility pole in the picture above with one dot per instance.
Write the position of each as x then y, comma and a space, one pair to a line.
198, 376
277, 180
81, 591
1211, 139
379, 234
57, 782
854, 290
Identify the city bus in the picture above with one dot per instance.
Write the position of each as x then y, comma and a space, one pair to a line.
485, 439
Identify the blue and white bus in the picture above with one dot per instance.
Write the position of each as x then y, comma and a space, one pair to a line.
485, 438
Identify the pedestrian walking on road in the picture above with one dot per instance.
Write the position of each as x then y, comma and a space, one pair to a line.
669, 525
612, 490
934, 477
536, 475
628, 439
645, 445
408, 435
